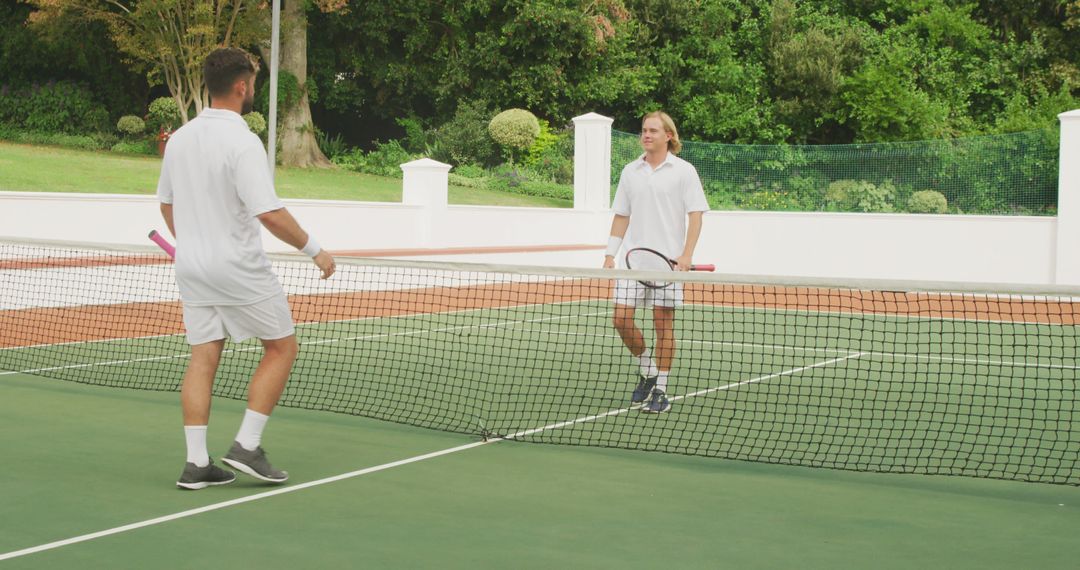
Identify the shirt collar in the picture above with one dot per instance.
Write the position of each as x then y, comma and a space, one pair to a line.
211, 113
669, 158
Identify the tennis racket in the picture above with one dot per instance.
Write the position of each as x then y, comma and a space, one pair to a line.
163, 244
645, 259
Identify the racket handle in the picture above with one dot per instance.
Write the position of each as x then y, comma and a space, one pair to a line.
708, 267
164, 245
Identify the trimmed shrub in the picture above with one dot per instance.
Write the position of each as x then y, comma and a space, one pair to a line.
131, 125
163, 113
96, 141
514, 129
520, 181
134, 147
467, 181
928, 202
256, 122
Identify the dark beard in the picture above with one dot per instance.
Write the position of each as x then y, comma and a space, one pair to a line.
246, 107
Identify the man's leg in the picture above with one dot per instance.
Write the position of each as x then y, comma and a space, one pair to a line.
628, 331
634, 340
664, 322
265, 390
195, 395
270, 377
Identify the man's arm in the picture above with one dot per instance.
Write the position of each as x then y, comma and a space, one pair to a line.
166, 212
618, 232
284, 226
692, 234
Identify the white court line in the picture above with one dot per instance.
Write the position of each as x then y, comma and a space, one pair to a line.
897, 355
385, 466
313, 342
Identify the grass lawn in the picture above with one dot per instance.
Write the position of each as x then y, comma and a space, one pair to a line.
26, 168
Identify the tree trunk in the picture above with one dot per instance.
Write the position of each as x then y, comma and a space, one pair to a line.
297, 134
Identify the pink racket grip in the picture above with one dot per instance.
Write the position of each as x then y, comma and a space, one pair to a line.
709, 267
166, 246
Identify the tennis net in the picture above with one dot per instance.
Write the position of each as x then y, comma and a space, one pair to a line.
891, 377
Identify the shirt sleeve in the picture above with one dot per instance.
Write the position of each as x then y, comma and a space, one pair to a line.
693, 192
164, 184
253, 183
621, 204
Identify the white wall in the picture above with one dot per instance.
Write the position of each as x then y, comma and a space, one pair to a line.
978, 249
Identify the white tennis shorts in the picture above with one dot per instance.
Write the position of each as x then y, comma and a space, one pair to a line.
634, 294
268, 319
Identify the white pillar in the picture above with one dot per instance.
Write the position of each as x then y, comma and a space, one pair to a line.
426, 183
592, 162
1068, 216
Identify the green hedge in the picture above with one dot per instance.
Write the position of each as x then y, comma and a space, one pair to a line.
55, 107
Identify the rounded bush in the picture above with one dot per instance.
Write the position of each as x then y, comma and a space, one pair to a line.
131, 125
164, 113
256, 122
514, 128
928, 202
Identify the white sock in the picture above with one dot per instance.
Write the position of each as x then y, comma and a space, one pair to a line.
648, 367
250, 435
661, 381
196, 445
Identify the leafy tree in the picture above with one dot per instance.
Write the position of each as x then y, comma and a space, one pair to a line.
79, 51
167, 38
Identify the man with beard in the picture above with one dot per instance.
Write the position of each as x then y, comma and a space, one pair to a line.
215, 190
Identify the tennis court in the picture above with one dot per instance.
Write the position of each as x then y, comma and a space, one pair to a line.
397, 367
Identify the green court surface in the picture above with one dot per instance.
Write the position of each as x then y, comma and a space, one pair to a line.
92, 459
856, 391
765, 385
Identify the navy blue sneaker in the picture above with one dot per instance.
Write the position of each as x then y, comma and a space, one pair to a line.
644, 386
658, 404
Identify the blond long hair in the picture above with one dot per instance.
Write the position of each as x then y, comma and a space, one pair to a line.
674, 145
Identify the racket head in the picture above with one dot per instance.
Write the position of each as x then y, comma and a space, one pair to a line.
645, 259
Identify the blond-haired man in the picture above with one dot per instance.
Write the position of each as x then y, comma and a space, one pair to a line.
658, 204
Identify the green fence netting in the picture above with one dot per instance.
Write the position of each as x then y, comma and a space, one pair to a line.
1009, 174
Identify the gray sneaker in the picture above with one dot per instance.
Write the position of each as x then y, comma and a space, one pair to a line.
254, 463
658, 404
195, 477
644, 386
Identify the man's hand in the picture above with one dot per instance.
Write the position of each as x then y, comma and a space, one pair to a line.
682, 263
609, 262
326, 264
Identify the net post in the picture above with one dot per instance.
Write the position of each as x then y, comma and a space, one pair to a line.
1067, 263
592, 162
425, 183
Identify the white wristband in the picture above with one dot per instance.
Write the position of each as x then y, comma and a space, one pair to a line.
613, 245
312, 248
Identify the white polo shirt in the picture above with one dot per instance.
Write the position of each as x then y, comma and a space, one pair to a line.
216, 177
658, 201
